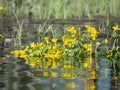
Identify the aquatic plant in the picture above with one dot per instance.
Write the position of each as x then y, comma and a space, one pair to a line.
72, 45
77, 46
112, 53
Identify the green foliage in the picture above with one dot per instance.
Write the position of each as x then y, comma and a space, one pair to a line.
61, 9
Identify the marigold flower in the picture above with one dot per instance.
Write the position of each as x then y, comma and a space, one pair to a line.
106, 41
93, 32
54, 40
1, 8
116, 28
88, 47
71, 30
1, 36
46, 39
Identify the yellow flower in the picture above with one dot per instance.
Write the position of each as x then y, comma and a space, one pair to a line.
85, 65
92, 87
93, 32
16, 53
26, 61
1, 36
106, 41
33, 45
115, 28
54, 66
115, 77
54, 40
71, 30
70, 85
26, 47
1, 8
79, 28
46, 39
89, 59
88, 47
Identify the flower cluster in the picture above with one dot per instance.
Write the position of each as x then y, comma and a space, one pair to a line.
93, 32
73, 45
69, 38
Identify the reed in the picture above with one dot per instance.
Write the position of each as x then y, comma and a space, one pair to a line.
63, 9
19, 31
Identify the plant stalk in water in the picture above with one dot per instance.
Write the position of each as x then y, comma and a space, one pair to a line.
20, 29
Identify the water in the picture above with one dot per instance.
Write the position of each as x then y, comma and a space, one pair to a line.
16, 75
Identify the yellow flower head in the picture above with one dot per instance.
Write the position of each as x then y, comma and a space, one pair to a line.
106, 41
33, 45
79, 28
46, 39
71, 30
88, 47
54, 40
115, 28
1, 36
1, 8
93, 32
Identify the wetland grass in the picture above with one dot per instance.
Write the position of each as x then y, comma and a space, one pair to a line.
62, 9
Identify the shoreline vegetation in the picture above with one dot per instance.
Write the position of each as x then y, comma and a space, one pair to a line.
61, 9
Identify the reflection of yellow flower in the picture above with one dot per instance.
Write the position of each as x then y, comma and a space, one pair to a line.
70, 85
66, 75
92, 74
1, 8
53, 74
92, 77
45, 74
92, 85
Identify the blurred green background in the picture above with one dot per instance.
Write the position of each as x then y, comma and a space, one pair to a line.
61, 9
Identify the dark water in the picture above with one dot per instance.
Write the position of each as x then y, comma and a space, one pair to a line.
15, 75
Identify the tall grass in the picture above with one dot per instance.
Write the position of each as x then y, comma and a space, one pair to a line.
20, 24
63, 9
